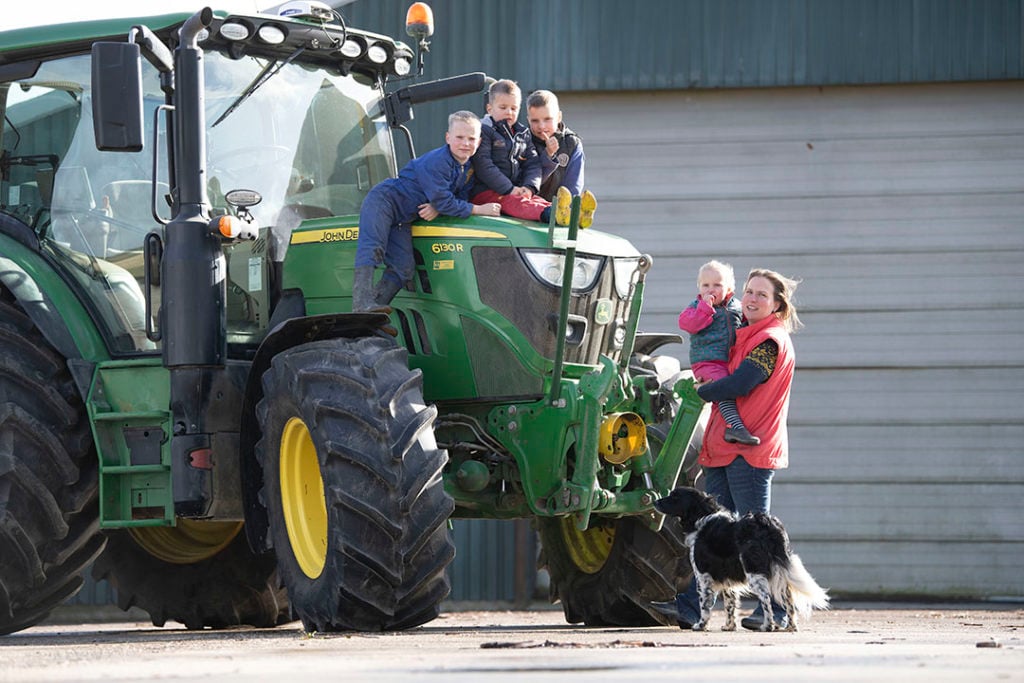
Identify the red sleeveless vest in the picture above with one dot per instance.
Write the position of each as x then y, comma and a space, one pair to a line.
764, 410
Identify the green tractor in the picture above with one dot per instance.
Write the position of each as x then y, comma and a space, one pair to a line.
187, 403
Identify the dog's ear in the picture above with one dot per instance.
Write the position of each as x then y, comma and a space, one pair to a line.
709, 500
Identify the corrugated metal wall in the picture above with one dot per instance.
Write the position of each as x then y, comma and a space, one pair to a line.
671, 44
902, 209
591, 45
495, 562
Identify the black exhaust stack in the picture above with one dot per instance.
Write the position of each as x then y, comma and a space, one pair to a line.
193, 275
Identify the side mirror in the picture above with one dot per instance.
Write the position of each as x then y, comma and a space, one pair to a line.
117, 97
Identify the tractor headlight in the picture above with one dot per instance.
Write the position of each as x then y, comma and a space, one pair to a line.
548, 266
624, 269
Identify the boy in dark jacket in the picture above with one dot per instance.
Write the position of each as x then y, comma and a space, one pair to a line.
560, 150
508, 168
438, 182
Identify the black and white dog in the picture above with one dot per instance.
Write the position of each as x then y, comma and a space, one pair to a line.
737, 555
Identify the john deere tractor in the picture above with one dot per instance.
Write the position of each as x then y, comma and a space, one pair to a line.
187, 403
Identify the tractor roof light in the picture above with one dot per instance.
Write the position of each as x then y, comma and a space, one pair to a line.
419, 21
402, 65
271, 35
234, 31
377, 53
352, 47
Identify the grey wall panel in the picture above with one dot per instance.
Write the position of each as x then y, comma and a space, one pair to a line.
914, 569
904, 454
901, 512
984, 337
908, 396
902, 209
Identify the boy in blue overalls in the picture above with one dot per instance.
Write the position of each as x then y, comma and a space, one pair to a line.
439, 182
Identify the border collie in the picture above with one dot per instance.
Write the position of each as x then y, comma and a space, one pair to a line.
741, 555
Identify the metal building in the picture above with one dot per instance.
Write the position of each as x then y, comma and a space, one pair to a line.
873, 148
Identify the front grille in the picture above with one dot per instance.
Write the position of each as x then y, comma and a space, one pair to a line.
506, 284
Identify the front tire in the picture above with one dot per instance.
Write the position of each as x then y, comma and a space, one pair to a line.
608, 574
353, 489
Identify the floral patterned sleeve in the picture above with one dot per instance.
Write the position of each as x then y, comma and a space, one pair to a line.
764, 356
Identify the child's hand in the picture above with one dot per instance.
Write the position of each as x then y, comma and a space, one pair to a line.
491, 209
551, 143
428, 212
709, 299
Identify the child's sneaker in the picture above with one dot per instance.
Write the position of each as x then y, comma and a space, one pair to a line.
740, 435
588, 205
563, 206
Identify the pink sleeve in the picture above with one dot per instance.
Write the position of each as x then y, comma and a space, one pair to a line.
696, 316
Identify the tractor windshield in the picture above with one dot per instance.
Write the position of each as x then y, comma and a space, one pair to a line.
311, 142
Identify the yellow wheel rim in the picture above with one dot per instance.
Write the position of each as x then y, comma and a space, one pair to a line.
302, 498
188, 542
588, 549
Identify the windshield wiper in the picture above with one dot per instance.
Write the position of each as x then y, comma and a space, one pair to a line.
269, 71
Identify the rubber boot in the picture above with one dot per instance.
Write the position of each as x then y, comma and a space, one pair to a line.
362, 289
563, 206
588, 205
385, 291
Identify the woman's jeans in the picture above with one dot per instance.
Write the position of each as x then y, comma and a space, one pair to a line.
738, 487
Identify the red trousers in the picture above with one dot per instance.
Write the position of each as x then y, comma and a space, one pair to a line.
529, 208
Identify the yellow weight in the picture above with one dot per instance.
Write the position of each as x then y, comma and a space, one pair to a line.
623, 436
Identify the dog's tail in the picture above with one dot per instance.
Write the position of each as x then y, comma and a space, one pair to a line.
807, 594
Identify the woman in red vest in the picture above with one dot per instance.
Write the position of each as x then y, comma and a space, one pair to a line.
761, 366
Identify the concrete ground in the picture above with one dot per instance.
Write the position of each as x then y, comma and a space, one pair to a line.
909, 643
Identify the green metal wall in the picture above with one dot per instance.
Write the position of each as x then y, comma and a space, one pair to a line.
669, 44
595, 45
495, 562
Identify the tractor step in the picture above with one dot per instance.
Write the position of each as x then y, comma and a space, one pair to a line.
131, 427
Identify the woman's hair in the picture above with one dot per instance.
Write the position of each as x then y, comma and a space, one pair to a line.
784, 288
723, 269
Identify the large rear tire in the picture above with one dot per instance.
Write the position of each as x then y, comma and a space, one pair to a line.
201, 574
49, 514
357, 507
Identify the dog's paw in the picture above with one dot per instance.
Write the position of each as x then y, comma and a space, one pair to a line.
700, 626
729, 627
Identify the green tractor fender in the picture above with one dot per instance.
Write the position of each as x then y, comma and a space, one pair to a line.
46, 298
285, 335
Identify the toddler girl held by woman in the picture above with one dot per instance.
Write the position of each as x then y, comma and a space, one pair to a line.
711, 320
